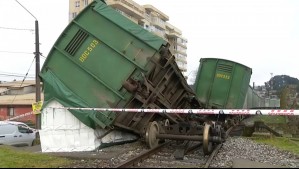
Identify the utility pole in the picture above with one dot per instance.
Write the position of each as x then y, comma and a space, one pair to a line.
37, 71
37, 67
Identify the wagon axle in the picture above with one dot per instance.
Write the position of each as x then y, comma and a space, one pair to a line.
208, 134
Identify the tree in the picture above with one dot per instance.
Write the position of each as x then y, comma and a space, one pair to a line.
295, 105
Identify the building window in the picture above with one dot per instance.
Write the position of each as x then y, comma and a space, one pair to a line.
85, 2
74, 14
77, 4
11, 111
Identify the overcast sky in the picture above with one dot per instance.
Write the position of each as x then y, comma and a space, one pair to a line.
52, 16
261, 34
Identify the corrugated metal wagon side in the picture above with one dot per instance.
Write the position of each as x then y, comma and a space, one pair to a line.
222, 83
103, 59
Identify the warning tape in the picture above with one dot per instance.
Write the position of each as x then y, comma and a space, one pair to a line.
21, 125
20, 116
196, 111
184, 111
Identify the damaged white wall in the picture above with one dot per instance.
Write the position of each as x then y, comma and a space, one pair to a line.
61, 131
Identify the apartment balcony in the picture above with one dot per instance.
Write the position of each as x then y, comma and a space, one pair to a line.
144, 21
129, 7
182, 69
156, 12
180, 60
180, 46
181, 52
158, 23
173, 34
160, 34
128, 16
172, 31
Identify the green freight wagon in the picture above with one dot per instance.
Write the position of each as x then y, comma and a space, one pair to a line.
104, 60
222, 83
253, 100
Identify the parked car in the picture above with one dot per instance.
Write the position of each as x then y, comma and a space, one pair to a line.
16, 134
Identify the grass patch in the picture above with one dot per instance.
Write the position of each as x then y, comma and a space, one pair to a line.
281, 143
20, 159
277, 123
271, 119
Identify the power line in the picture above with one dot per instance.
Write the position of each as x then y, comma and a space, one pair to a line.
2, 73
42, 55
4, 51
14, 75
27, 53
27, 10
16, 29
24, 79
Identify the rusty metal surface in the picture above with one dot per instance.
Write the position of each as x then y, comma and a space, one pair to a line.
164, 87
213, 154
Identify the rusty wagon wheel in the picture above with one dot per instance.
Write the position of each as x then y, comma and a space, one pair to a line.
151, 133
207, 145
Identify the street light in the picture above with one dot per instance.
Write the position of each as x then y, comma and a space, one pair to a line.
37, 67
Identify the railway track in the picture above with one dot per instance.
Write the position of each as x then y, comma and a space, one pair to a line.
165, 155
236, 130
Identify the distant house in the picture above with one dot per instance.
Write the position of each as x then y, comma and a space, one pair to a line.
16, 98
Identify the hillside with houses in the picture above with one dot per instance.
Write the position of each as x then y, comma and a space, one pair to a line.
284, 87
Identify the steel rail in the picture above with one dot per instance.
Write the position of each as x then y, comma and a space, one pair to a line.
213, 154
216, 150
141, 157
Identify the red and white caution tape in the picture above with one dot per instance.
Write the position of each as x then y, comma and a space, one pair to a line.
20, 116
196, 111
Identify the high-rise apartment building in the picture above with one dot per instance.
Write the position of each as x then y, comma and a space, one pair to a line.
149, 18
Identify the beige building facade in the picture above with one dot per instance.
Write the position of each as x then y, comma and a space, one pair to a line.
149, 18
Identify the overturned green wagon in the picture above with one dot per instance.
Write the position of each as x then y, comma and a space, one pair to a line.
104, 60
